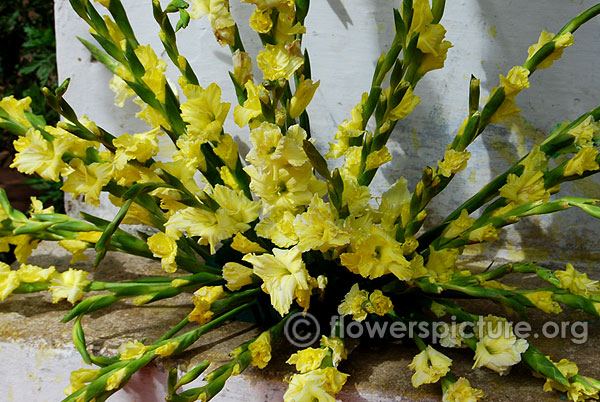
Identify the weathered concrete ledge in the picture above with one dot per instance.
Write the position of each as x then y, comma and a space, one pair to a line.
37, 354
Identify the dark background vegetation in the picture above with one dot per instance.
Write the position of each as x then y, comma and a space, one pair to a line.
27, 64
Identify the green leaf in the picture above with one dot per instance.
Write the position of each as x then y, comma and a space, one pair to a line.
538, 362
316, 159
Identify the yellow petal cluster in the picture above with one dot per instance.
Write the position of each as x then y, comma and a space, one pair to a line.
203, 299
429, 366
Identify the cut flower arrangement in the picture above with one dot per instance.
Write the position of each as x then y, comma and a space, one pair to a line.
279, 232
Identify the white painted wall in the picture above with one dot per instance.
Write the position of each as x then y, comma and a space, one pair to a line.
345, 38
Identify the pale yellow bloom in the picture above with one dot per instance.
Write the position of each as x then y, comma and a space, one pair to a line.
515, 81
220, 18
585, 132
453, 162
261, 21
260, 350
308, 359
251, 108
131, 350
429, 366
9, 281
406, 106
317, 229
141, 146
115, 380
277, 62
461, 391
69, 285
378, 158
205, 113
236, 275
79, 378
353, 303
227, 150
459, 225
529, 187
75, 247
441, 263
283, 273
279, 228
506, 109
242, 67
31, 273
241, 209
88, 180
302, 97
485, 233
15, 109
203, 299
498, 348
167, 349
560, 43
242, 244
379, 303
576, 282
349, 128
543, 301
320, 385
165, 248
37, 155
584, 160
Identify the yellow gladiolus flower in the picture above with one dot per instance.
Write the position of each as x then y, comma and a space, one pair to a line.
37, 155
576, 282
203, 299
131, 350
515, 81
584, 160
236, 204
506, 109
236, 275
353, 303
261, 21
9, 281
115, 380
242, 67
260, 350
543, 301
75, 247
316, 228
338, 350
15, 109
321, 385
408, 103
585, 132
79, 378
484, 233
220, 18
251, 108
453, 162
165, 248
302, 97
167, 349
243, 245
529, 187
459, 225
498, 347
461, 391
283, 274
141, 146
379, 303
205, 113
277, 62
429, 366
308, 359
88, 180
560, 43
441, 263
378, 158
31, 273
69, 285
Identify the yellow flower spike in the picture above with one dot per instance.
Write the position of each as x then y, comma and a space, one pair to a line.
406, 106
75, 247
515, 81
16, 109
487, 233
260, 350
353, 303
379, 303
498, 348
236, 275
308, 359
561, 43
453, 162
88, 180
302, 97
461, 391
30, 273
543, 301
283, 274
317, 229
276, 62
529, 187
243, 245
9, 281
429, 366
203, 299
165, 248
584, 160
131, 350
114, 381
167, 349
37, 155
459, 225
69, 285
